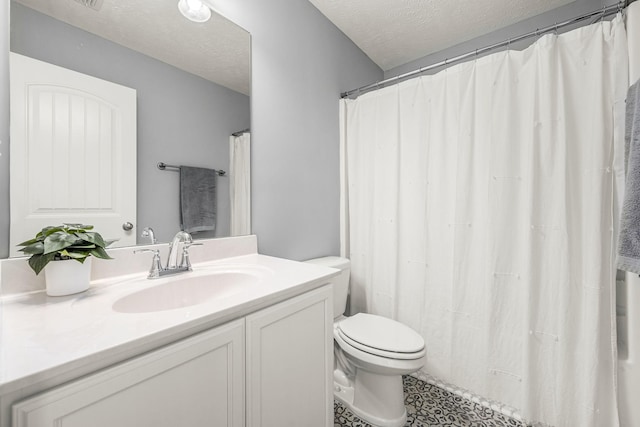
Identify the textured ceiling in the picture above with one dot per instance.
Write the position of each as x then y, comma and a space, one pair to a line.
217, 50
394, 32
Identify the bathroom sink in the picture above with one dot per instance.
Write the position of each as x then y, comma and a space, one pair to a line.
187, 290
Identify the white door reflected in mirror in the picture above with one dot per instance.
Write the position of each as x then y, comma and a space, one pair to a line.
73, 152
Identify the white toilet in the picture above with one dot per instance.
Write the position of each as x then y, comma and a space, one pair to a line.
371, 355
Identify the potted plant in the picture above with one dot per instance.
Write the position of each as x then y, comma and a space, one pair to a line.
67, 242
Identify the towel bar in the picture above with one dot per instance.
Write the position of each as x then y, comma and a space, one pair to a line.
163, 166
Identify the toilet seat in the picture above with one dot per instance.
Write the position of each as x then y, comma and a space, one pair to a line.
380, 364
381, 353
381, 336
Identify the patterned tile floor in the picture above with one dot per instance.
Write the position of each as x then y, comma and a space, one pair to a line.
431, 406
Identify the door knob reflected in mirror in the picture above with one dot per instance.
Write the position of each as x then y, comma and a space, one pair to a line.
127, 226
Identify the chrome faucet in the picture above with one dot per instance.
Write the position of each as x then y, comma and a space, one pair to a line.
148, 232
178, 249
180, 241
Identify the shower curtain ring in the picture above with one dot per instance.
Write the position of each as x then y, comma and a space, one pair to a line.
556, 28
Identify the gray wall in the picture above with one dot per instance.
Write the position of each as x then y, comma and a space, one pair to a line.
300, 64
182, 119
552, 17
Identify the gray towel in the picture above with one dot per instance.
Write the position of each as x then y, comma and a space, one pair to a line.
197, 199
629, 241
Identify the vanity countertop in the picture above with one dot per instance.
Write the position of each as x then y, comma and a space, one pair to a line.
43, 336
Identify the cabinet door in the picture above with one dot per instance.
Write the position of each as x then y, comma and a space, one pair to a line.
290, 363
198, 381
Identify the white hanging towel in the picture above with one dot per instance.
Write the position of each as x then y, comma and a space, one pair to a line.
240, 186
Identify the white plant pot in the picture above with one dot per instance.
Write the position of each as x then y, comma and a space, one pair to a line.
67, 277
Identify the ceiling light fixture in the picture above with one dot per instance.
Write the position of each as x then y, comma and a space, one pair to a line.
194, 10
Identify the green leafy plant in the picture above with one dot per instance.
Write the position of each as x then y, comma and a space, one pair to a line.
67, 241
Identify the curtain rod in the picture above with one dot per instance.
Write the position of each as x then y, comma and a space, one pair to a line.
605, 11
240, 132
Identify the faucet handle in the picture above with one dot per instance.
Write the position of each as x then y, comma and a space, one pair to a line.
188, 245
156, 265
186, 262
137, 251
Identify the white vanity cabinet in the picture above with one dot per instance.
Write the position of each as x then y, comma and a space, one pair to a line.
290, 363
271, 368
198, 381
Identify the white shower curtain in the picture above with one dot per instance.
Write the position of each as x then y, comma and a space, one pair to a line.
478, 210
240, 185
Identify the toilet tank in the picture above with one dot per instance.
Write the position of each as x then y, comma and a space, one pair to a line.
340, 282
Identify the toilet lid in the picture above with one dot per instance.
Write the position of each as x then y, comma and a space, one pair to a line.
381, 333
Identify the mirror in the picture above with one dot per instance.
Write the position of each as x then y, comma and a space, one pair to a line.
191, 79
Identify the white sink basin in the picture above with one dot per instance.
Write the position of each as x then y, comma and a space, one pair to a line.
188, 289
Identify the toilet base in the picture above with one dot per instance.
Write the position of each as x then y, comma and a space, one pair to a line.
376, 399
